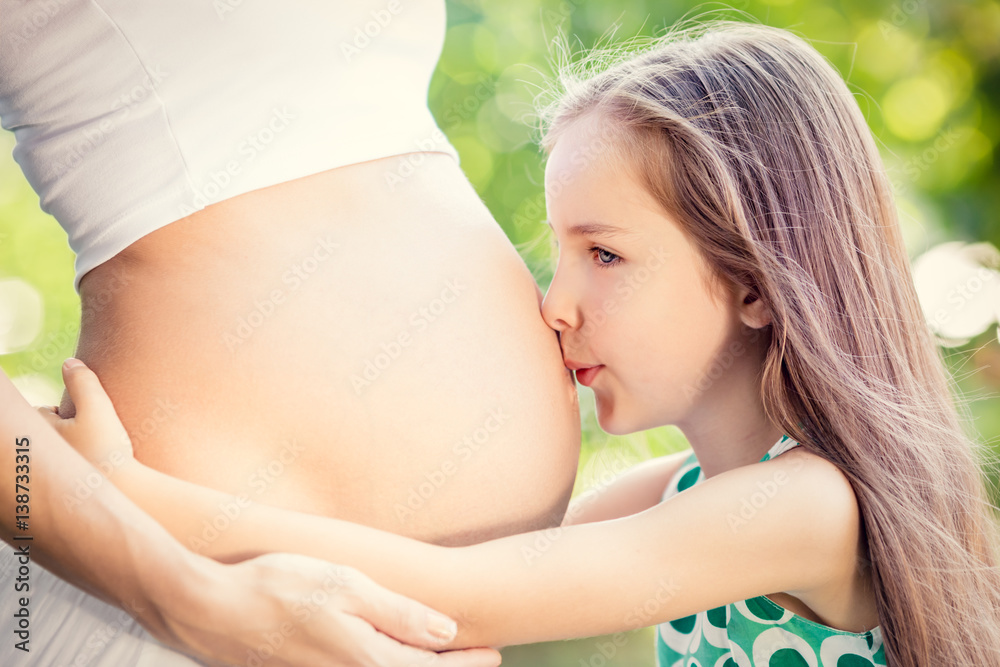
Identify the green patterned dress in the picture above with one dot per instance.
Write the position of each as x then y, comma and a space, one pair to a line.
757, 632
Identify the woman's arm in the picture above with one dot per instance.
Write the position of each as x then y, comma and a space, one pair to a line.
700, 549
57, 511
88, 543
637, 489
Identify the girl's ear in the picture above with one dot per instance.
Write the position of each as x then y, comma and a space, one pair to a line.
753, 311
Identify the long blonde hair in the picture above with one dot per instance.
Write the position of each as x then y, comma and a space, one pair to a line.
750, 139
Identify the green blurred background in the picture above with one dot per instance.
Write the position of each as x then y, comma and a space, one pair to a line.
926, 75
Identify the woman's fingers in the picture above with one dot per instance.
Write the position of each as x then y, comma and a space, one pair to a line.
470, 657
400, 617
388, 651
377, 650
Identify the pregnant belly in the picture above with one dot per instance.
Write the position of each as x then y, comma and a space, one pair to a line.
333, 346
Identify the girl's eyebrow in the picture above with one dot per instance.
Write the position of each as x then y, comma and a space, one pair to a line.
595, 229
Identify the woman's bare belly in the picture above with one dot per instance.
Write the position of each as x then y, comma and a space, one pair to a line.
338, 347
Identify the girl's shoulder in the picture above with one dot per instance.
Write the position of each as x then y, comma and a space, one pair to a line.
688, 470
790, 480
794, 509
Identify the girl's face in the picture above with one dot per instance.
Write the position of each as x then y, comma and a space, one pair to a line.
630, 297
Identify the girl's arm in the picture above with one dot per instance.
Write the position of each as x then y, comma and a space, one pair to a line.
746, 532
637, 489
59, 513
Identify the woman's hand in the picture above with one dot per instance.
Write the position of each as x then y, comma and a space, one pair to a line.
284, 610
95, 431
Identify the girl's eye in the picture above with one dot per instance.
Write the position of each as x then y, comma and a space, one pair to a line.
605, 258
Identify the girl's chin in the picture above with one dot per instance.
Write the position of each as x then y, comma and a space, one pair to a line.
611, 421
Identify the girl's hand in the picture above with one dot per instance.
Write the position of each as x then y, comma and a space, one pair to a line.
95, 431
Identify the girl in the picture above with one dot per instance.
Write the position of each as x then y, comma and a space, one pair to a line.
729, 262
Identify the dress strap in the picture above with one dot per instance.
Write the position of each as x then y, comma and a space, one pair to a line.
783, 445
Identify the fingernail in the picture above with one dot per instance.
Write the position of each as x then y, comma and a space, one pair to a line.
72, 363
441, 627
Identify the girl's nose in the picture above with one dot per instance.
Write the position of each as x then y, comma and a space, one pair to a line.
559, 308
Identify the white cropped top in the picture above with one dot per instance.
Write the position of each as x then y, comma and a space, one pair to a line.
131, 114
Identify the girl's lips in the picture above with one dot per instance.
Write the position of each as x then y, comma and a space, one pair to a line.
586, 375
